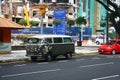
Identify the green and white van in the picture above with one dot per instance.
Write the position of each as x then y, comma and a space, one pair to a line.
50, 46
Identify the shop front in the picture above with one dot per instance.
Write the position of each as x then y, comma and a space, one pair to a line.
5, 34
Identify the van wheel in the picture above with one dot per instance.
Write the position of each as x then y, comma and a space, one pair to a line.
33, 58
49, 57
68, 56
113, 52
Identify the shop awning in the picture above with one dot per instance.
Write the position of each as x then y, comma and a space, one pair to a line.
5, 23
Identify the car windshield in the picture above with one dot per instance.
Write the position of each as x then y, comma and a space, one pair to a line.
34, 41
111, 42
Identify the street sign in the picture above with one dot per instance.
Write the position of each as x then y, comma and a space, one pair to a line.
99, 30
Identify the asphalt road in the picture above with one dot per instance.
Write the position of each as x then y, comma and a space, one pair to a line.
100, 67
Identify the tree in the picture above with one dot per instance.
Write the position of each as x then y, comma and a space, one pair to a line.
114, 14
70, 23
23, 22
81, 20
56, 22
33, 23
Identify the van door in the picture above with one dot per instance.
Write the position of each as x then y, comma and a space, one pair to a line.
58, 47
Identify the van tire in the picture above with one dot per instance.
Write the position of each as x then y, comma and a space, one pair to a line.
33, 58
49, 57
68, 56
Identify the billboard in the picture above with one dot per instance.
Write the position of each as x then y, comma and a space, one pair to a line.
60, 15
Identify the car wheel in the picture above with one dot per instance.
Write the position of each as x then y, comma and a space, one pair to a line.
33, 58
113, 52
68, 56
97, 42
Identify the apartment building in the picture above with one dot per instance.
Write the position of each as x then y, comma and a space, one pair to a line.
14, 9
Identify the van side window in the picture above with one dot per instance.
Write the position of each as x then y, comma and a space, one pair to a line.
49, 40
57, 40
67, 40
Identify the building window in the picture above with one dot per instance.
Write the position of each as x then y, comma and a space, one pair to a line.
50, 17
50, 25
62, 1
47, 1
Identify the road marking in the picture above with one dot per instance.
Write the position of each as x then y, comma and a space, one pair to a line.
28, 73
20, 65
110, 56
97, 65
80, 59
43, 63
96, 58
63, 61
107, 77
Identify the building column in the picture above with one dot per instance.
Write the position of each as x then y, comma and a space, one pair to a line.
92, 15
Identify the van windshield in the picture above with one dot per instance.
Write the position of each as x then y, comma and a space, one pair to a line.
34, 40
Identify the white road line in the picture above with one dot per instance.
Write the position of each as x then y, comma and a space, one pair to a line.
110, 56
28, 73
20, 65
63, 61
96, 58
107, 77
97, 65
43, 63
80, 59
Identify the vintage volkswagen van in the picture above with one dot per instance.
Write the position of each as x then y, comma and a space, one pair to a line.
49, 46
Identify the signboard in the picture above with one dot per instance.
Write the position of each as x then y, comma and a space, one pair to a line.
60, 15
5, 48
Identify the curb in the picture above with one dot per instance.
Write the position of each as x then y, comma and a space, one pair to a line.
80, 54
14, 60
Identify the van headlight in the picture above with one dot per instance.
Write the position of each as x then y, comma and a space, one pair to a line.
35, 49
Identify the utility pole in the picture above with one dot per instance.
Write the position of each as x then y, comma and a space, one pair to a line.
107, 26
42, 11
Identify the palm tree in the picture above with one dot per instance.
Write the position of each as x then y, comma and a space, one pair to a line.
80, 20
70, 23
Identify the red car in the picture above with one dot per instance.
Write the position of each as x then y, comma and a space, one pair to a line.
112, 47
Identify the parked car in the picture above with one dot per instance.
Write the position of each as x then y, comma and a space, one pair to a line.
111, 47
100, 40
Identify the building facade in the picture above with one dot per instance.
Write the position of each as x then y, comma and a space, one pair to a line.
93, 12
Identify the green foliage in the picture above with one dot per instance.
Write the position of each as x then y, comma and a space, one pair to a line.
56, 22
70, 22
22, 22
114, 13
33, 23
102, 24
81, 20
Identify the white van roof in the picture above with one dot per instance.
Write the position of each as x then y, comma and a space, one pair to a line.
49, 36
